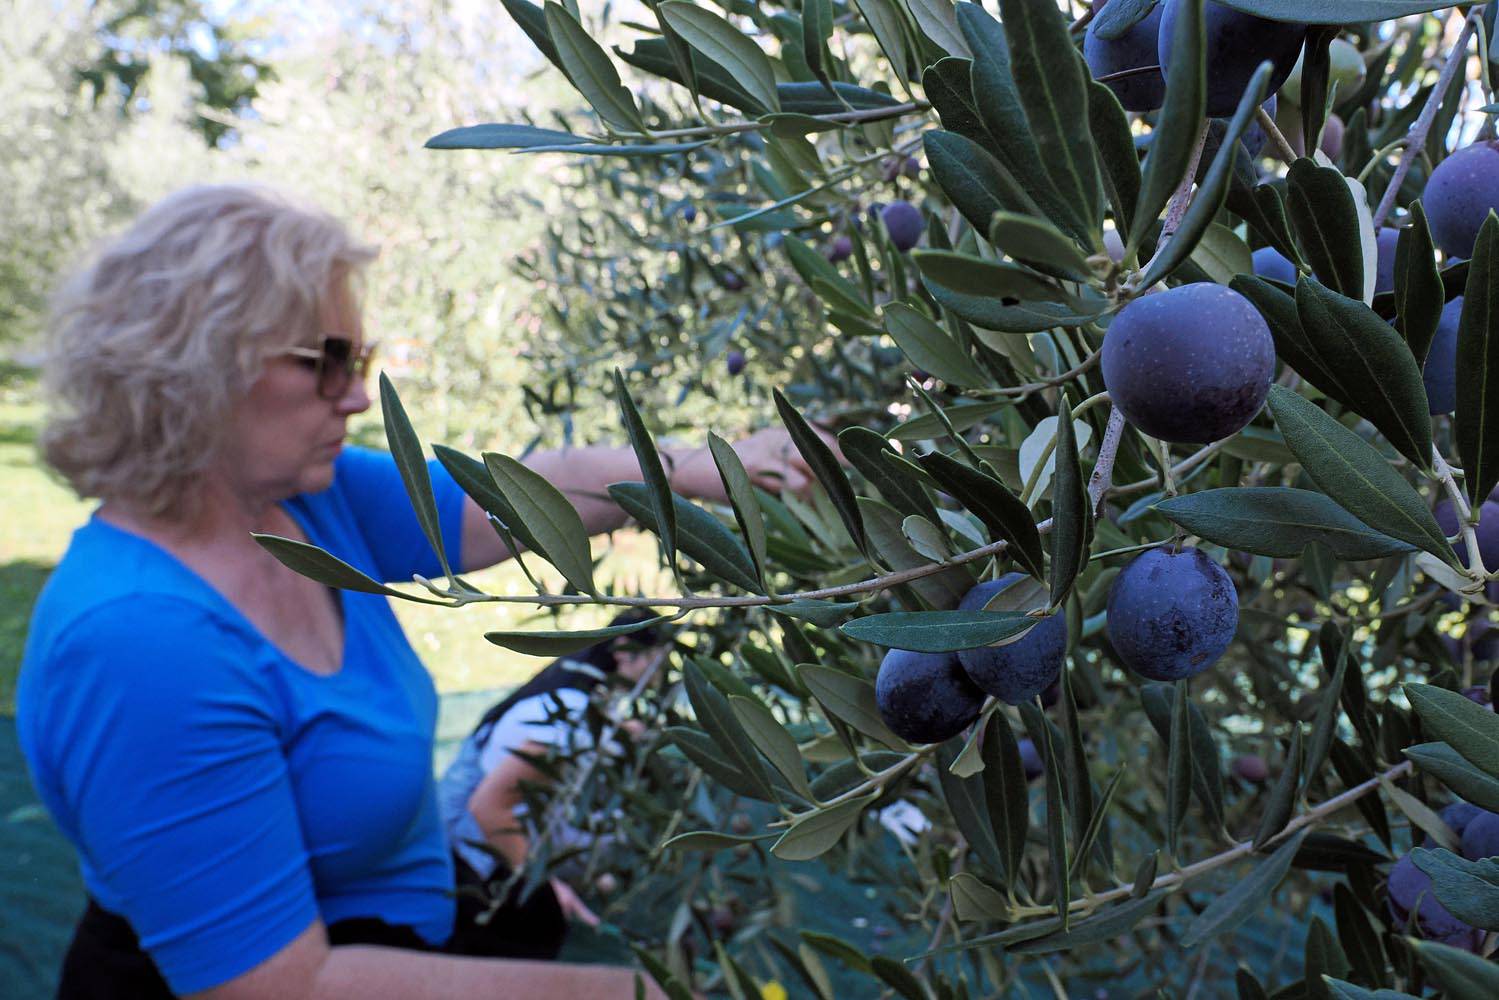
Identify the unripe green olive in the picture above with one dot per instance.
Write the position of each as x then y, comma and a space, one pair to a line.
1345, 71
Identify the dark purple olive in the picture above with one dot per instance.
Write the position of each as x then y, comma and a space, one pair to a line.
1250, 767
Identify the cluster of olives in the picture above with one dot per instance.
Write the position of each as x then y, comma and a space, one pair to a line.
1412, 902
1171, 615
1135, 64
1172, 612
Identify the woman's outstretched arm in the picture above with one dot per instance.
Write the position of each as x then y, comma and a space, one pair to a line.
584, 474
309, 969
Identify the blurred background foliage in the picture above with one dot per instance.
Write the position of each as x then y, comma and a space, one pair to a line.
110, 105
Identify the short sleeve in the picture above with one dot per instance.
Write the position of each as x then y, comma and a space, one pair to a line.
539, 719
370, 482
168, 760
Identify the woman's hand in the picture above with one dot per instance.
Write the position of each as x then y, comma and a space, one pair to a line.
769, 456
573, 908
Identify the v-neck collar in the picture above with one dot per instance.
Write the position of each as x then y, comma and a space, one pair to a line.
232, 609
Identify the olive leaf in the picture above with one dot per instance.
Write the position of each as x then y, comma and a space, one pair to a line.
1351, 472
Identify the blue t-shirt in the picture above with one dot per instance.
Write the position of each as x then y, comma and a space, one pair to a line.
220, 796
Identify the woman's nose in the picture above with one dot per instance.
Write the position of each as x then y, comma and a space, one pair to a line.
356, 399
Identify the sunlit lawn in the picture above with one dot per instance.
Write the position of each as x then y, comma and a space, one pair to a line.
37, 516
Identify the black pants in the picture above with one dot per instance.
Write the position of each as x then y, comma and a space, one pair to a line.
105, 960
533, 927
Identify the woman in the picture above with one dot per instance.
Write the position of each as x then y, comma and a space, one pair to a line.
482, 796
242, 756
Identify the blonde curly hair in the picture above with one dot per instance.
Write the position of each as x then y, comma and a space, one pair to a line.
164, 328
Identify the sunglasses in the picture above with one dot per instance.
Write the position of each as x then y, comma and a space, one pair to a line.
335, 363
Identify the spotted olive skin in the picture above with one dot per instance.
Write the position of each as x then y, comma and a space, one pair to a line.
1136, 49
1459, 194
1190, 365
1236, 45
1172, 614
1018, 671
904, 223
925, 697
1439, 373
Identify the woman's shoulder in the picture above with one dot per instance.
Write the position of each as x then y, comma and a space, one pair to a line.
106, 571
122, 634
120, 601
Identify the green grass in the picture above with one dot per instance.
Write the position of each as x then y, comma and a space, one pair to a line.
38, 515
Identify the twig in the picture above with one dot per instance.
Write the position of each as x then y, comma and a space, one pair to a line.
1277, 137
1026, 388
1181, 875
1033, 480
1422, 126
1378, 155
1197, 973
696, 603
1103, 469
1190, 462
730, 128
1464, 513
871, 585
1176, 208
878, 780
944, 917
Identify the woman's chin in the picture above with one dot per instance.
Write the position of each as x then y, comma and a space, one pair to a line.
317, 478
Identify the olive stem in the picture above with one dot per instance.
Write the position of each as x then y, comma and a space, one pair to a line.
1190, 462
1025, 389
1032, 481
731, 128
877, 781
1378, 155
1173, 879
1423, 123
1108, 450
1176, 208
1277, 137
1464, 514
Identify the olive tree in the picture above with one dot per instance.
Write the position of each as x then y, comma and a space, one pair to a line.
1146, 596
